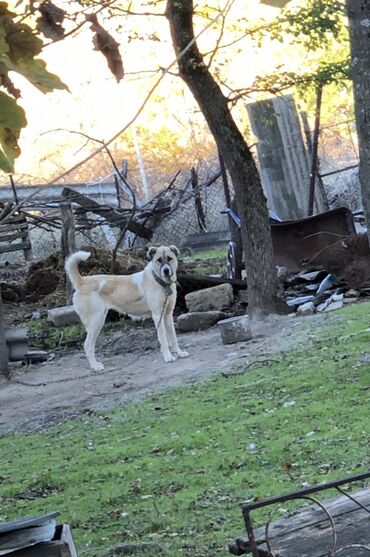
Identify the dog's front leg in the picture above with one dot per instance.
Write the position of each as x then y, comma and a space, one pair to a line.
158, 319
172, 338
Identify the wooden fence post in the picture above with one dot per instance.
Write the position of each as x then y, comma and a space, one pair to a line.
4, 366
68, 241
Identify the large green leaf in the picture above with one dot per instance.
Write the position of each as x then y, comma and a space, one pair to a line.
12, 116
10, 149
35, 71
12, 119
5, 164
22, 42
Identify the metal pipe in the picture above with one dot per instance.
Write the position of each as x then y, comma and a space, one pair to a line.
315, 145
303, 492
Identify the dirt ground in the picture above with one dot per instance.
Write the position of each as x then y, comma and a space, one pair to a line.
49, 393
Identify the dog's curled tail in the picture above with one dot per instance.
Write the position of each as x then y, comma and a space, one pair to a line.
71, 266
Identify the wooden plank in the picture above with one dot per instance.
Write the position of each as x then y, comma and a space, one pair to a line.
13, 219
66, 538
308, 531
54, 549
63, 547
15, 247
205, 282
11, 237
9, 227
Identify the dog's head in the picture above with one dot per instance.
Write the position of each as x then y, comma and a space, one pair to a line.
164, 261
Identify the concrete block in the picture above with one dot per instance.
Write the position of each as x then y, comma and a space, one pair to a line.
63, 316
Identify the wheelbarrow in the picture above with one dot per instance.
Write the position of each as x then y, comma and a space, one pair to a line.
298, 244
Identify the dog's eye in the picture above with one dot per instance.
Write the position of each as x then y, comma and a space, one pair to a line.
169, 259
159, 259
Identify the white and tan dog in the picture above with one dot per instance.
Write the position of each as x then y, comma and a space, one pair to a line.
149, 292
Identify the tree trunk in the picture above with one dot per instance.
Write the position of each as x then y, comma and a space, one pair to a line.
251, 202
358, 12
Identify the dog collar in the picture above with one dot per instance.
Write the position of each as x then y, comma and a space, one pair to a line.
167, 287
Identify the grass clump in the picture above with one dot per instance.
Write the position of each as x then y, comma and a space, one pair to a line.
43, 334
174, 469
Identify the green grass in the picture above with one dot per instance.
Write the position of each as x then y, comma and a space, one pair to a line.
43, 334
214, 253
175, 468
208, 262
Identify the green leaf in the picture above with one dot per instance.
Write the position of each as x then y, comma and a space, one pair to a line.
5, 164
12, 119
9, 143
22, 42
12, 116
35, 71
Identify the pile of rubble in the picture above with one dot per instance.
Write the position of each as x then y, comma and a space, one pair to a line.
319, 291
305, 293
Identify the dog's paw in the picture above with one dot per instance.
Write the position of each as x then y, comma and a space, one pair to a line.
97, 367
183, 354
169, 358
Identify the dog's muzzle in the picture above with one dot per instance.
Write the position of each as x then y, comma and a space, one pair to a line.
166, 272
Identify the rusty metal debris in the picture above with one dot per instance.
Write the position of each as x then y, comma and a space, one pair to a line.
307, 530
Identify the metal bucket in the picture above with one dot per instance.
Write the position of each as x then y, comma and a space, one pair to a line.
235, 329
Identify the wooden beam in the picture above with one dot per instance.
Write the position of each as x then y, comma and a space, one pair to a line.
15, 247
68, 241
108, 213
11, 237
4, 366
10, 227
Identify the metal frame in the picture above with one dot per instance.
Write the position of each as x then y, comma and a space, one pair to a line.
301, 494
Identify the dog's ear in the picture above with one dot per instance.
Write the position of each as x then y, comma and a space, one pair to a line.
175, 250
151, 252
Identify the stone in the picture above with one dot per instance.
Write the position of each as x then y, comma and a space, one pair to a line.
334, 305
63, 316
306, 309
350, 300
334, 302
352, 293
198, 320
215, 298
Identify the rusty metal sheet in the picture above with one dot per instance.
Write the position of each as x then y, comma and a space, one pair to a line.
304, 243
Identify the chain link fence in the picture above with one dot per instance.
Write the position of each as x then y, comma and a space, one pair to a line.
338, 160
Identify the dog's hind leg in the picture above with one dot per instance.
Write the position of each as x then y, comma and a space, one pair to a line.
162, 337
172, 338
94, 326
